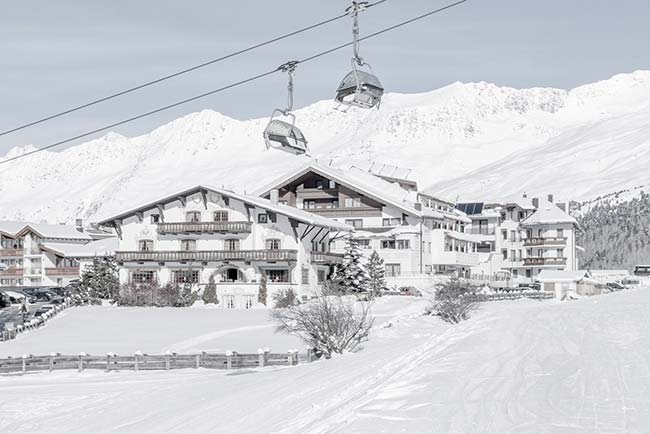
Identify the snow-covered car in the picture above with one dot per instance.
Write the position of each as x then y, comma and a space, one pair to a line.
614, 286
43, 309
410, 290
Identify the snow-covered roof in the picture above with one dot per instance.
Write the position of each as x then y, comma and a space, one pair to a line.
10, 228
104, 247
356, 179
45, 230
294, 213
551, 276
548, 213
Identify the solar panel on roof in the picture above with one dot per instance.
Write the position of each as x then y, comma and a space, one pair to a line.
472, 208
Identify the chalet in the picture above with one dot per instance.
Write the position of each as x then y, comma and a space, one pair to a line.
204, 234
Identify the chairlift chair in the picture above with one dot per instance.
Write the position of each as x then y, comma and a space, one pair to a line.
283, 135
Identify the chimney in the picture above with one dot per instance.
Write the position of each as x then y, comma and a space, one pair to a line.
79, 223
550, 198
536, 202
275, 195
525, 195
418, 206
562, 206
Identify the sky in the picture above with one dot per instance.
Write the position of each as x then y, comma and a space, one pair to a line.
55, 55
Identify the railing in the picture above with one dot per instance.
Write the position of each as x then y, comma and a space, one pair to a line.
457, 258
512, 295
482, 231
60, 271
205, 227
326, 257
12, 272
33, 271
207, 256
147, 362
545, 241
544, 261
11, 252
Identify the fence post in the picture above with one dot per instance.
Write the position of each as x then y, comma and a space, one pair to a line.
51, 361
260, 357
24, 363
229, 359
136, 364
197, 361
81, 361
108, 361
309, 355
167, 354
290, 357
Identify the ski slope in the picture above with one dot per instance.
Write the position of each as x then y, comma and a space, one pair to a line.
520, 366
464, 140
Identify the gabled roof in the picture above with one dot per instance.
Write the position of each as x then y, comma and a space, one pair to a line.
562, 276
356, 179
548, 213
288, 211
45, 230
104, 247
10, 228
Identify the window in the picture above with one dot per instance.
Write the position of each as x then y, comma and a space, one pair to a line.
277, 276
321, 276
391, 221
515, 273
262, 218
309, 204
521, 215
231, 244
145, 245
504, 253
230, 301
220, 216
504, 234
332, 185
429, 247
513, 255
356, 223
388, 244
193, 216
248, 301
188, 245
560, 253
560, 233
273, 218
528, 272
305, 276
364, 244
319, 184
155, 218
185, 276
403, 244
513, 236
273, 244
352, 202
393, 270
143, 276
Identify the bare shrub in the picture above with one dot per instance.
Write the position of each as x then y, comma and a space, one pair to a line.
454, 301
327, 324
285, 298
153, 294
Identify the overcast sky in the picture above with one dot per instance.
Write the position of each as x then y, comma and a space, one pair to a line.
57, 54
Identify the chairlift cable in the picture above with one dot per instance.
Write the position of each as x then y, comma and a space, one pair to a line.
178, 73
230, 86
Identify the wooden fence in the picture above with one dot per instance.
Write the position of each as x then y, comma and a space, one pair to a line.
512, 295
34, 323
147, 362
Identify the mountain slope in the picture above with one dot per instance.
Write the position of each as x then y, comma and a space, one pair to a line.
486, 135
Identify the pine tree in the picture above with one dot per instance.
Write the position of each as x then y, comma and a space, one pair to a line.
210, 292
351, 275
262, 294
100, 280
376, 274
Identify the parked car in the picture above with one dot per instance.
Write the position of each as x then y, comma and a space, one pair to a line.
642, 270
58, 290
4, 300
410, 290
614, 286
41, 310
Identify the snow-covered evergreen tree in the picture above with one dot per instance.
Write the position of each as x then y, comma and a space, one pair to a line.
100, 281
376, 274
263, 292
351, 275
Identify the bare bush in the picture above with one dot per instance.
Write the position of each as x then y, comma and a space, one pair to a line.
327, 324
285, 298
153, 294
454, 301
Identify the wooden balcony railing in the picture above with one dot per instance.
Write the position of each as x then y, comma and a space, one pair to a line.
207, 256
11, 252
545, 241
326, 257
544, 261
12, 272
205, 228
62, 271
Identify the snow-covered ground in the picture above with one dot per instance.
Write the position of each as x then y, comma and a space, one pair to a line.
519, 366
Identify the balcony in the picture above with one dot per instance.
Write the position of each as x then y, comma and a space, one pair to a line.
205, 228
12, 272
11, 253
62, 271
541, 262
326, 258
481, 230
208, 256
457, 258
33, 271
544, 241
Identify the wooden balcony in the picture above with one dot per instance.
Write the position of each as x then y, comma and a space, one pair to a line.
326, 258
544, 241
5, 253
205, 228
12, 272
62, 271
541, 262
208, 256
346, 212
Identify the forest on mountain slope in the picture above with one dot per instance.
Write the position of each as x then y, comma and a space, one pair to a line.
616, 235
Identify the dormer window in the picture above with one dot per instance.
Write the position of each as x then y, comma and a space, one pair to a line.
221, 216
145, 245
193, 217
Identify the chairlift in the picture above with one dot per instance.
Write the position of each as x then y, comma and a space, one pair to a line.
283, 134
359, 88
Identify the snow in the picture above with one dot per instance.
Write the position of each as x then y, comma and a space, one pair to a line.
518, 366
466, 140
548, 213
94, 248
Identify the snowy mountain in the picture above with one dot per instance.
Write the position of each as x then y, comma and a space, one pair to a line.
467, 141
